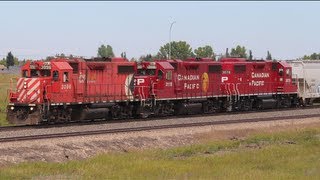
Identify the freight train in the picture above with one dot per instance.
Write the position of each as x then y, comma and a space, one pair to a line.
65, 90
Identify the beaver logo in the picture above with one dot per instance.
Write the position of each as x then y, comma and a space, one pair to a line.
129, 86
205, 82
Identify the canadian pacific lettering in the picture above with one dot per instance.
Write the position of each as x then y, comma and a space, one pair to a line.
188, 77
260, 75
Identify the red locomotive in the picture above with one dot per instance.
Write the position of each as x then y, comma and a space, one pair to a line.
71, 89
175, 86
82, 89
257, 84
204, 85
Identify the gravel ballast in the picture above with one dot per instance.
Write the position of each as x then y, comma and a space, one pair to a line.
169, 121
72, 148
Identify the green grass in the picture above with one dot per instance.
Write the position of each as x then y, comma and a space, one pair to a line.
4, 86
286, 155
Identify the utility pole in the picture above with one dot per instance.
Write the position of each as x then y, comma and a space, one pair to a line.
169, 54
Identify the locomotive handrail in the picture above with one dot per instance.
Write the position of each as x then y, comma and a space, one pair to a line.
152, 87
11, 82
234, 89
46, 90
238, 92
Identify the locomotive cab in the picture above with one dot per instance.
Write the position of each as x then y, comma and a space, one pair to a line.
153, 86
39, 82
61, 87
153, 80
285, 78
25, 100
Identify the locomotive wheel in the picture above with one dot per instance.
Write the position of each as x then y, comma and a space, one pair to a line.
258, 104
211, 106
247, 105
115, 112
284, 102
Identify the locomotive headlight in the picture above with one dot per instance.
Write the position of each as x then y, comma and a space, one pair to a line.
31, 108
25, 83
12, 108
25, 86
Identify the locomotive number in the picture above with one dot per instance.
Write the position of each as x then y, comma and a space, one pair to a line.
46, 65
65, 86
168, 84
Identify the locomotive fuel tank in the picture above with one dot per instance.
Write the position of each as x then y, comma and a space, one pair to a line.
269, 103
97, 113
188, 108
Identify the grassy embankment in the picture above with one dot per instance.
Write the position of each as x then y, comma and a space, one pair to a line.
4, 86
285, 155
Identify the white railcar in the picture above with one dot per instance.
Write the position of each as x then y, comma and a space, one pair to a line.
306, 74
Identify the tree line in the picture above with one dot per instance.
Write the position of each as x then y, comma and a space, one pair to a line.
313, 56
179, 50
182, 50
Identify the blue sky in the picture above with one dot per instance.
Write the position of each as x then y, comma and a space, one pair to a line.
39, 29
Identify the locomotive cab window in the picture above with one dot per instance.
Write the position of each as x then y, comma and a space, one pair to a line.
25, 73
160, 74
280, 72
35, 73
45, 73
169, 75
288, 73
65, 77
151, 72
55, 75
143, 72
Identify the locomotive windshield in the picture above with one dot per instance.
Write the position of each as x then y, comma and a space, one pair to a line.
144, 72
36, 73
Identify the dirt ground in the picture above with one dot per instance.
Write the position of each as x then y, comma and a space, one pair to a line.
72, 148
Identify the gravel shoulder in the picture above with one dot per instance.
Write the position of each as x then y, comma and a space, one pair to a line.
75, 148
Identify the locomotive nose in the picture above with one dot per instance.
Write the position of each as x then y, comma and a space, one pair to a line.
28, 90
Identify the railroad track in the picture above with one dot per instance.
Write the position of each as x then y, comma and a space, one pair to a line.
145, 128
97, 122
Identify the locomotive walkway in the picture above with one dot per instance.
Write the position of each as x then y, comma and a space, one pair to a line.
32, 133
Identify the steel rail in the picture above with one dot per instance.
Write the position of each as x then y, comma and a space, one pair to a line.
145, 128
96, 122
